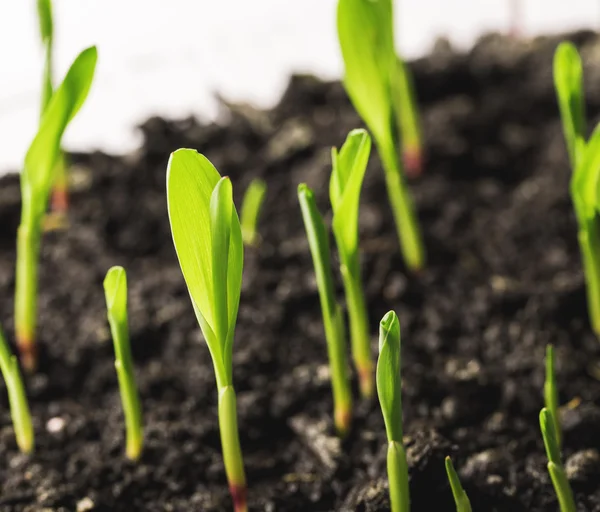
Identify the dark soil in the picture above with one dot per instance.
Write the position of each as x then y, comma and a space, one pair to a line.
504, 279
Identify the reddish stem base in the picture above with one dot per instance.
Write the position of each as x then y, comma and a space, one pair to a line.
239, 495
413, 162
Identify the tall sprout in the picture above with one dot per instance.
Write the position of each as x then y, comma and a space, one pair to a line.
36, 181
208, 241
366, 35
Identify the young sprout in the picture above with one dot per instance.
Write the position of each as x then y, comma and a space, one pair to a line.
365, 30
551, 393
36, 180
407, 119
333, 321
389, 389
555, 468
348, 170
460, 496
115, 291
60, 191
208, 241
19, 408
251, 205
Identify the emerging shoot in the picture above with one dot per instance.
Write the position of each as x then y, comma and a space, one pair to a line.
19, 407
551, 393
389, 390
372, 80
36, 181
460, 496
208, 241
585, 162
115, 291
349, 166
555, 468
333, 321
251, 206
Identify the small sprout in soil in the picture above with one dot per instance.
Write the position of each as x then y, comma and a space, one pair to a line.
333, 321
19, 407
365, 30
208, 241
555, 467
407, 120
251, 206
348, 171
551, 393
460, 496
36, 181
60, 191
115, 291
389, 390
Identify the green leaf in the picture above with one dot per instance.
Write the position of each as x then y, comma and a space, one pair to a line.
389, 384
551, 392
365, 29
460, 496
44, 9
349, 166
43, 153
562, 488
549, 434
115, 291
251, 206
585, 183
568, 81
208, 241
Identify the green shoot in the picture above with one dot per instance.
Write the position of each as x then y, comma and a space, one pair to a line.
208, 241
585, 162
331, 311
551, 393
460, 496
389, 390
407, 119
251, 205
36, 180
60, 192
19, 407
555, 468
349, 166
372, 79
115, 291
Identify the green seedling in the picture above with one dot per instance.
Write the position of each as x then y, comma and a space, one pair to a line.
251, 206
208, 241
407, 119
555, 467
348, 171
115, 291
60, 191
19, 407
333, 321
36, 181
460, 496
585, 162
389, 390
372, 79
551, 393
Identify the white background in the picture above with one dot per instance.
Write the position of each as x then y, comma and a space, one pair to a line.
169, 57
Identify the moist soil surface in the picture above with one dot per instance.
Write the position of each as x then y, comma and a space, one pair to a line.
503, 280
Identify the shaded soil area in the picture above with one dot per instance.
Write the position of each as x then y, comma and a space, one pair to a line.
504, 279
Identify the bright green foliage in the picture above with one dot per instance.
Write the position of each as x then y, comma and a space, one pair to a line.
389, 390
332, 314
349, 166
208, 241
44, 8
36, 180
365, 31
19, 407
551, 393
568, 80
460, 496
251, 206
585, 162
407, 119
115, 291
555, 468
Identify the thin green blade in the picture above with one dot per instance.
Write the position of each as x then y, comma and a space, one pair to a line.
549, 435
460, 496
